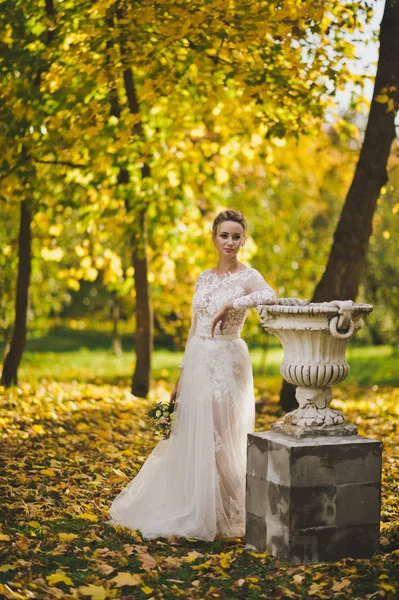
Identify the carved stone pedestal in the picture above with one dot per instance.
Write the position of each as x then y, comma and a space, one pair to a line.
311, 500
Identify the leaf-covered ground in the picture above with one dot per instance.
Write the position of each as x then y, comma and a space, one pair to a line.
67, 448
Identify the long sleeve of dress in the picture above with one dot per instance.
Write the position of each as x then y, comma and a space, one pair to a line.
257, 292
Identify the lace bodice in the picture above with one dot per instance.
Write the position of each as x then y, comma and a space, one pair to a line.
245, 289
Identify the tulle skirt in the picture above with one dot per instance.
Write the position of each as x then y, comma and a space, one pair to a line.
193, 484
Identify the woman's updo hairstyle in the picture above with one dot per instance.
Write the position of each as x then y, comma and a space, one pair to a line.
229, 215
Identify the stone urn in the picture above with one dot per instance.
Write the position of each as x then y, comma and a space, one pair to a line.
314, 337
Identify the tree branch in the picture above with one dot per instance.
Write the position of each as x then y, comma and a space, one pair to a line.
65, 163
14, 168
216, 59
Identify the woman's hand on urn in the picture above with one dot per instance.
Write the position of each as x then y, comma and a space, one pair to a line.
221, 316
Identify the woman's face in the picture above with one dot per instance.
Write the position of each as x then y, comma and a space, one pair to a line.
229, 238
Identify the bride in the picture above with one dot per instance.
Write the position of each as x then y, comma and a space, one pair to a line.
193, 484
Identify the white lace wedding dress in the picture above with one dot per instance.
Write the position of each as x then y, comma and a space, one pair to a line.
193, 484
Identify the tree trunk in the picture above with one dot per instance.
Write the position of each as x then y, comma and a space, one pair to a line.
14, 355
138, 241
144, 317
346, 263
18, 341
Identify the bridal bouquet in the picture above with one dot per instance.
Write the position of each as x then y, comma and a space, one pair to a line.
162, 418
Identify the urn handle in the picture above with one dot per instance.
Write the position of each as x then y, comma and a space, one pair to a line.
343, 320
334, 330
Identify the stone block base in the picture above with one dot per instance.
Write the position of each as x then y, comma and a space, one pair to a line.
313, 500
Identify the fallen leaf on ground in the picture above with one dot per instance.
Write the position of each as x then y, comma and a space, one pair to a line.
126, 579
88, 517
4, 568
147, 561
191, 556
48, 472
340, 585
59, 578
96, 592
67, 537
172, 562
104, 568
146, 589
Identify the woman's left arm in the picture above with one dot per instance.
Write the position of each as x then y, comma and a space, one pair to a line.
258, 292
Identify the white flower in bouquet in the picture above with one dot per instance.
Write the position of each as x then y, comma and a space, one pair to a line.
162, 418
